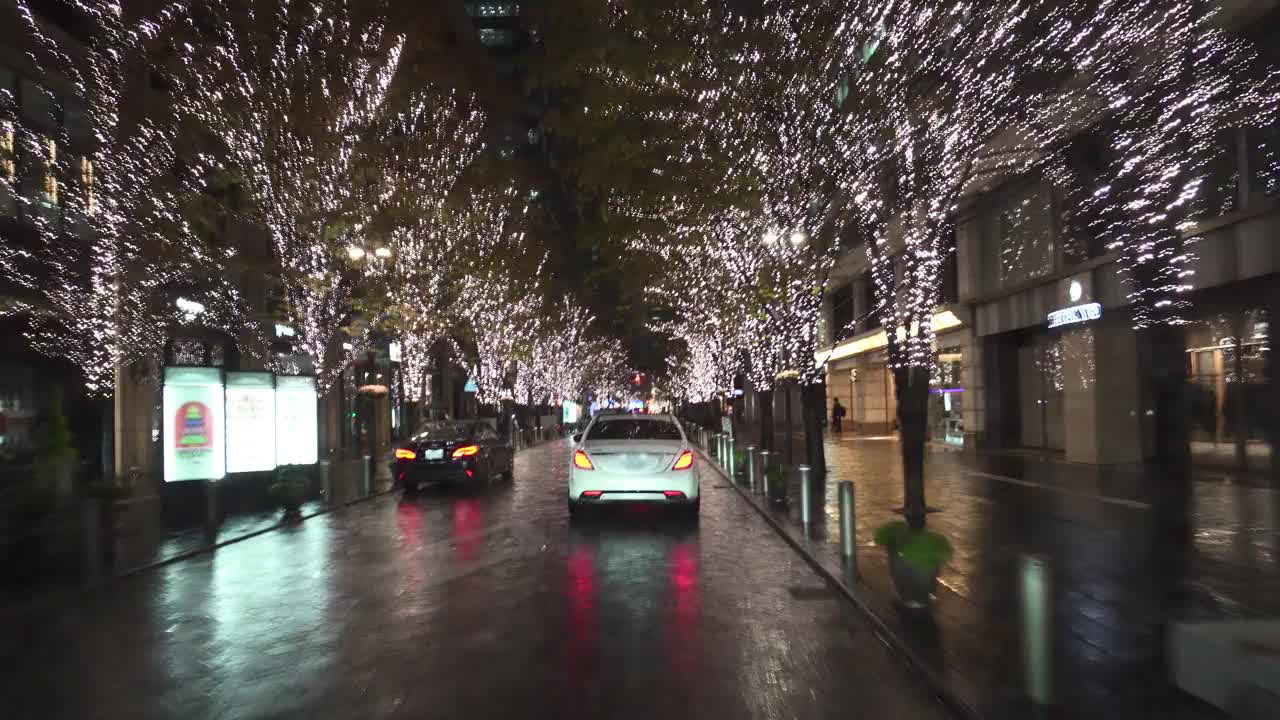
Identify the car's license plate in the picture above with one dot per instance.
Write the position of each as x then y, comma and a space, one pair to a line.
436, 454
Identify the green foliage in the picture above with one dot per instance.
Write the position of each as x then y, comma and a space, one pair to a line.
58, 442
776, 476
924, 549
290, 485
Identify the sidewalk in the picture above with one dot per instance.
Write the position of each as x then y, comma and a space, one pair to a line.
1096, 529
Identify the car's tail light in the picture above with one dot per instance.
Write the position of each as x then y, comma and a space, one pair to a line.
581, 461
592, 493
405, 454
684, 462
673, 494
466, 451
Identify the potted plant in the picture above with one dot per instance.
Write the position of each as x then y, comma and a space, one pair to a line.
101, 497
914, 559
290, 489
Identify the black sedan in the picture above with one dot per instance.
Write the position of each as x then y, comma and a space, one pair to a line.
453, 451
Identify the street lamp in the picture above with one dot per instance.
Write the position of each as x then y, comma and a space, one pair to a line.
770, 237
354, 252
383, 252
798, 237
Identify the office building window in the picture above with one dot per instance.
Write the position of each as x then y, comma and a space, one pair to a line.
51, 172
493, 9
8, 171
87, 184
842, 312
1220, 192
1024, 232
870, 304
494, 37
1264, 160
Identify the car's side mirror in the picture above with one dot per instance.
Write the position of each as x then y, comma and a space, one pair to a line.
577, 438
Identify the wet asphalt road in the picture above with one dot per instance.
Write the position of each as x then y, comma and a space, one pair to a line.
479, 604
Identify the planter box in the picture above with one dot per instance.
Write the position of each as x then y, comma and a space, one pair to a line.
1233, 664
136, 531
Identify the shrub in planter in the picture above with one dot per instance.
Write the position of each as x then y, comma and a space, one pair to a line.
777, 483
915, 557
57, 456
290, 489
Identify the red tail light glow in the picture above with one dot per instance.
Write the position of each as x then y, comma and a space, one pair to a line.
405, 454
673, 494
470, 473
466, 451
592, 493
581, 461
684, 462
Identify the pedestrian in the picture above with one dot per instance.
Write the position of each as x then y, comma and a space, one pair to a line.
837, 415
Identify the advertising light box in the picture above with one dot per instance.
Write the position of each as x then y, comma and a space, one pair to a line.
193, 424
297, 438
251, 422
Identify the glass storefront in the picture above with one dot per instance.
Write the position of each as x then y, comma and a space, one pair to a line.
1226, 369
1040, 391
946, 398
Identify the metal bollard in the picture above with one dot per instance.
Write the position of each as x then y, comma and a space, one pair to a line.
212, 515
326, 481
764, 473
753, 477
806, 513
729, 443
366, 485
1037, 628
848, 541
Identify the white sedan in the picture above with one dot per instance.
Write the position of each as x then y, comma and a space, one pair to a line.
632, 458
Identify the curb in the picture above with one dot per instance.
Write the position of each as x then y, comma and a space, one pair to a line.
940, 688
59, 595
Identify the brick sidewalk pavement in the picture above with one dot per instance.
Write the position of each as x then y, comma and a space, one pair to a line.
1096, 527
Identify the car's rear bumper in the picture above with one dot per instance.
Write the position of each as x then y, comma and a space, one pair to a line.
427, 473
633, 488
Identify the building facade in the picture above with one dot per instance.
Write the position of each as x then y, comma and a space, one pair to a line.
1035, 341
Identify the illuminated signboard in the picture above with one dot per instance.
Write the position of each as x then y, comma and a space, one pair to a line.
251, 422
1074, 315
297, 438
193, 424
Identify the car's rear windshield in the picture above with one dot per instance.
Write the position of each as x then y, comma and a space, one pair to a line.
632, 429
445, 431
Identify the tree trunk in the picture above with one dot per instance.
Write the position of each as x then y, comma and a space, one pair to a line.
789, 454
912, 385
766, 419
107, 413
813, 409
1164, 358
1272, 387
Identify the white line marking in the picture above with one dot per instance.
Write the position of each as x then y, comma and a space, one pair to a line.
1063, 491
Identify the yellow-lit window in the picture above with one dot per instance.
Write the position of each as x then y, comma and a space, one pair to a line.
8, 168
87, 182
51, 172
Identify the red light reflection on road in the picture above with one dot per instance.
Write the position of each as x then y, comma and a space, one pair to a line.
684, 643
413, 575
468, 522
581, 650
